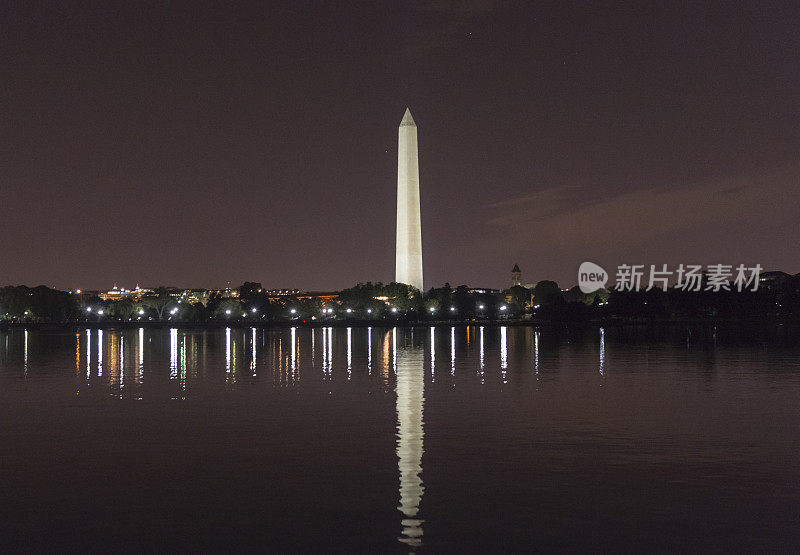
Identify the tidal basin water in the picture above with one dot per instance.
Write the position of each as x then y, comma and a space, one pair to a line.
465, 439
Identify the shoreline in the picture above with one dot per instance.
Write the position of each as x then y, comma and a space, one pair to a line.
540, 323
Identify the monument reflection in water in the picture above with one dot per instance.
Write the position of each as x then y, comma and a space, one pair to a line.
410, 398
599, 430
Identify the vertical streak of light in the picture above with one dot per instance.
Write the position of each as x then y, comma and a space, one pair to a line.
349, 353
227, 353
369, 350
88, 354
325, 352
234, 351
121, 364
253, 351
602, 352
140, 370
536, 352
183, 363
385, 358
294, 351
504, 353
452, 350
394, 351
330, 352
112, 359
99, 352
77, 362
173, 354
481, 371
433, 354
25, 355
77, 354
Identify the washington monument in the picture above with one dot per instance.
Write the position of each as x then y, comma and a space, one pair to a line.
408, 256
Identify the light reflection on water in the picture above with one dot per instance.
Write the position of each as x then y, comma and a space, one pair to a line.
433, 353
99, 352
602, 351
123, 360
410, 399
25, 363
523, 374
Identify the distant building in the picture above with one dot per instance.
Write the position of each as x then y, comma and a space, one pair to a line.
483, 291
281, 292
118, 294
193, 296
226, 293
516, 276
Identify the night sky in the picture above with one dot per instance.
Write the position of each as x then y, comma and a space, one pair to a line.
199, 144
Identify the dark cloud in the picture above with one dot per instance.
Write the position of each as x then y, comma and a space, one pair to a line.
736, 219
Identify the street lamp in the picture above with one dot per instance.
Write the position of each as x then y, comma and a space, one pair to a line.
228, 312
254, 310
394, 309
369, 311
293, 311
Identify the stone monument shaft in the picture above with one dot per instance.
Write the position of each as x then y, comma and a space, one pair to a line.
408, 256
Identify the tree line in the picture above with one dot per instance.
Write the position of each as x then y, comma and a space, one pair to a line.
395, 301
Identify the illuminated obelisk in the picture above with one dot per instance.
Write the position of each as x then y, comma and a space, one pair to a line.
408, 255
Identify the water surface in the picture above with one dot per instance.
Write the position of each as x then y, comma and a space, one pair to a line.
396, 440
